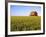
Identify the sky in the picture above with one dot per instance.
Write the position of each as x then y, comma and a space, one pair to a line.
17, 10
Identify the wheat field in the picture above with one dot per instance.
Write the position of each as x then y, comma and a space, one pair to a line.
25, 23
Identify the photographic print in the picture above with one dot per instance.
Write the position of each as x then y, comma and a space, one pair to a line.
25, 18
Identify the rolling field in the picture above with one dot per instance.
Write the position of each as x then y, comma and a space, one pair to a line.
25, 23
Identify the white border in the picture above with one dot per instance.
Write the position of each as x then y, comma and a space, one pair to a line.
24, 32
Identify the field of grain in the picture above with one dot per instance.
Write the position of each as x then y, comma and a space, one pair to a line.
25, 23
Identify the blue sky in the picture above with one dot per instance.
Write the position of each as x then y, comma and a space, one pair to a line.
17, 10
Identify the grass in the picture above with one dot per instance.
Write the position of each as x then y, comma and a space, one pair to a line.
25, 23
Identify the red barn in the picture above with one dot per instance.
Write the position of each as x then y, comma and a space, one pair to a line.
34, 13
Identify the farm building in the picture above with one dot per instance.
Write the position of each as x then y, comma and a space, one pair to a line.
34, 13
